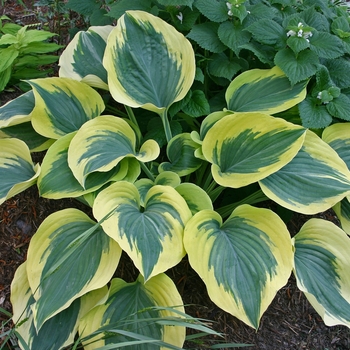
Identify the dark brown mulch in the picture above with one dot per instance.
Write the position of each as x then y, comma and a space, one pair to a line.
290, 323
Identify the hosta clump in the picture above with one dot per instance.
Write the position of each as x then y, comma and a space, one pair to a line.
193, 196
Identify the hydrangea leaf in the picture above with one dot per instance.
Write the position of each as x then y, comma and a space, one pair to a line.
297, 68
206, 36
215, 11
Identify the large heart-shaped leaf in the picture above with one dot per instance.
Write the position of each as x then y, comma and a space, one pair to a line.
338, 137
180, 151
102, 143
68, 256
342, 209
26, 133
322, 265
82, 58
246, 147
136, 309
315, 180
243, 261
149, 63
151, 235
66, 321
263, 90
17, 111
63, 105
56, 179
17, 171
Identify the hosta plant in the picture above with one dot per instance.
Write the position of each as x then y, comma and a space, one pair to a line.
163, 184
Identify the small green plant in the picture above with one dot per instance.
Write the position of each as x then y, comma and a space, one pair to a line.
95, 12
24, 53
169, 175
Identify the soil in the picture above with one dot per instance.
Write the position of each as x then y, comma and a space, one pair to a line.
290, 323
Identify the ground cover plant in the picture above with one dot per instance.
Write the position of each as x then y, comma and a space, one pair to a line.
24, 53
163, 183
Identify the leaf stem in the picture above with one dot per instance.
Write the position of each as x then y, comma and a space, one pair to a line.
131, 115
116, 111
147, 171
166, 125
256, 197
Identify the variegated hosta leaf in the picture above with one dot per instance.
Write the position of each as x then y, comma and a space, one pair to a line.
338, 137
66, 321
17, 171
102, 143
82, 58
243, 261
263, 90
56, 179
166, 178
196, 198
17, 111
180, 152
210, 120
63, 105
315, 180
149, 63
322, 265
26, 133
342, 209
133, 172
150, 235
131, 307
68, 256
246, 147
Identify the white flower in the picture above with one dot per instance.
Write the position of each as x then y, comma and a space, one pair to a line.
180, 17
229, 7
301, 33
